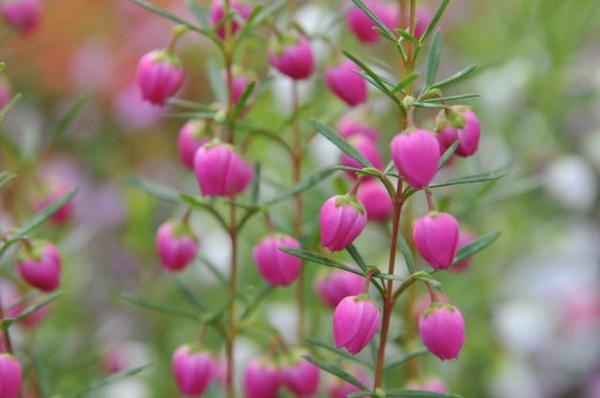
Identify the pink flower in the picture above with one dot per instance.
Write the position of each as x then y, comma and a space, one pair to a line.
364, 28
341, 389
191, 137
442, 329
64, 214
416, 156
176, 245
376, 200
464, 238
436, 238
466, 128
301, 377
132, 111
338, 285
344, 82
159, 76
294, 59
431, 384
341, 220
217, 13
423, 20
220, 170
355, 321
277, 267
367, 148
348, 127
238, 86
193, 370
261, 380
11, 376
39, 265
23, 15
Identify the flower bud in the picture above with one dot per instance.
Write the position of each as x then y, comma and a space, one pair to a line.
348, 127
355, 321
293, 57
301, 377
5, 92
217, 13
277, 267
363, 26
442, 329
261, 380
431, 384
341, 389
464, 126
193, 370
436, 238
365, 147
220, 170
338, 285
191, 137
176, 245
344, 82
341, 220
376, 200
23, 15
11, 376
159, 76
416, 156
464, 238
39, 265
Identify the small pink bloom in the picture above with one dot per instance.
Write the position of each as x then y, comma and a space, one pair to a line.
436, 238
191, 137
348, 127
23, 15
302, 378
468, 132
355, 321
39, 265
11, 376
338, 285
220, 170
464, 238
217, 13
431, 384
341, 389
417, 156
364, 28
341, 220
176, 245
64, 214
294, 60
277, 267
5, 92
424, 17
159, 76
367, 148
238, 86
132, 111
261, 380
376, 200
193, 370
442, 329
344, 82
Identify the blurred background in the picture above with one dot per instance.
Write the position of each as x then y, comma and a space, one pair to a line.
531, 301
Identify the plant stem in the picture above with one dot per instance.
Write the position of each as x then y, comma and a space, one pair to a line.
5, 332
231, 327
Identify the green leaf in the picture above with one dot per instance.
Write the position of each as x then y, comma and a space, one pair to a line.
200, 14
6, 177
360, 394
329, 368
301, 186
217, 83
159, 307
7, 322
154, 189
252, 305
434, 21
356, 256
407, 36
433, 60
338, 352
65, 122
403, 359
342, 144
477, 178
241, 103
190, 296
13, 101
256, 184
475, 247
199, 204
109, 380
456, 77
384, 30
41, 373
406, 253
191, 115
270, 9
319, 259
430, 105
452, 98
448, 154
408, 79
420, 394
186, 104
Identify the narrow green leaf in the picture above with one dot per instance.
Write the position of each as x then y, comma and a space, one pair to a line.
357, 257
434, 21
41, 373
272, 8
408, 79
456, 77
329, 368
360, 394
420, 394
109, 380
384, 30
200, 14
168, 15
319, 259
448, 154
6, 177
191, 115
342, 144
252, 305
377, 81
13, 101
477, 178
430, 105
242, 101
475, 247
65, 122
256, 184
190, 296
301, 186
159, 307
199, 204
452, 98
407, 36
7, 322
186, 104
338, 352
154, 189
406, 253
403, 359
217, 82
433, 60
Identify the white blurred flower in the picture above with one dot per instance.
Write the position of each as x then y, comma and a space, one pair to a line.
129, 388
515, 379
324, 152
284, 317
571, 181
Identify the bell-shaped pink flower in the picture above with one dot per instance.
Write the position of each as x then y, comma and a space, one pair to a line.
301, 377
442, 329
341, 220
431, 384
193, 370
468, 134
261, 380
355, 321
220, 170
23, 15
366, 147
337, 285
364, 28
416, 156
191, 137
349, 127
39, 265
5, 92
65, 213
376, 200
11, 376
436, 238
464, 238
345, 83
341, 389
277, 267
159, 76
176, 245
294, 59
217, 13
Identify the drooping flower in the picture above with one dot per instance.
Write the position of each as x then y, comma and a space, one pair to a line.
436, 238
293, 56
355, 321
277, 267
416, 156
177, 246
337, 285
262, 379
159, 76
39, 264
191, 137
341, 220
346, 84
442, 330
193, 370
